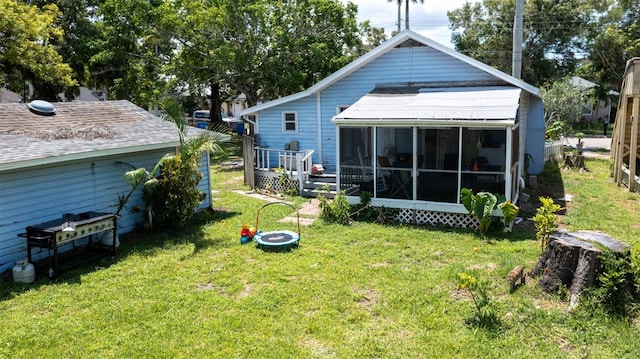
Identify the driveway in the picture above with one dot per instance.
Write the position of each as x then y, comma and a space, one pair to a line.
594, 146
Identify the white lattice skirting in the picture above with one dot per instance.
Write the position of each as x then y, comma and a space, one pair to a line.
418, 216
271, 181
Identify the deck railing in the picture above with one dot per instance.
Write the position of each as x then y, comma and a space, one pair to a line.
295, 164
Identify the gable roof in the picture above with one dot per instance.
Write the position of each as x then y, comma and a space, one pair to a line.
383, 49
79, 130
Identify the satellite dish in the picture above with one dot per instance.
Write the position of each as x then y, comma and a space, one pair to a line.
41, 107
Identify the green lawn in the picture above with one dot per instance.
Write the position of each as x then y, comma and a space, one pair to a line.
363, 291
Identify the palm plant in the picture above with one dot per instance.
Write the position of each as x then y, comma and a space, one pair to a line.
406, 11
170, 188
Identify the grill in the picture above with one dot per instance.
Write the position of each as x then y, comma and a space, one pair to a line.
54, 234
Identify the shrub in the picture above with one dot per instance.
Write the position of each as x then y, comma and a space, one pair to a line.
485, 314
545, 220
482, 206
618, 290
336, 210
174, 195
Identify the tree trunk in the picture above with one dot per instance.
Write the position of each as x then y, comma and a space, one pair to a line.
216, 103
572, 259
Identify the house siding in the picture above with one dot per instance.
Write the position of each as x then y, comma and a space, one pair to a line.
401, 64
535, 135
270, 130
33, 195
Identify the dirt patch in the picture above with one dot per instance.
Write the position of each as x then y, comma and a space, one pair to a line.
317, 348
206, 286
460, 294
490, 267
369, 297
381, 264
248, 288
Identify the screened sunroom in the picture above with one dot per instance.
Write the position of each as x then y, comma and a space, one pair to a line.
419, 148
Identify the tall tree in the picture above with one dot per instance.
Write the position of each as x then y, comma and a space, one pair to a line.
555, 33
27, 52
263, 49
614, 43
406, 11
132, 47
77, 20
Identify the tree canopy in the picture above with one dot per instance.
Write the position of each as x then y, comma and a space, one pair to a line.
557, 34
262, 49
141, 50
28, 51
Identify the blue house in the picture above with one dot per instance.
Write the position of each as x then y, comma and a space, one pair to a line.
412, 122
67, 162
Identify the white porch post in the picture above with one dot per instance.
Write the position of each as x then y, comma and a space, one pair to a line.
507, 167
414, 165
459, 184
319, 124
338, 159
374, 160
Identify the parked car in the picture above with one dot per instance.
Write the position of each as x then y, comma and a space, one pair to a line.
201, 118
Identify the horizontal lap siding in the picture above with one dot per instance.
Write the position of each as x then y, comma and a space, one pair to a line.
35, 195
418, 64
270, 126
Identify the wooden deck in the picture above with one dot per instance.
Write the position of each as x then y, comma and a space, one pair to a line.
624, 149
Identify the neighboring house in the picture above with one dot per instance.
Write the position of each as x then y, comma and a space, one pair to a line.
595, 109
413, 122
67, 162
7, 96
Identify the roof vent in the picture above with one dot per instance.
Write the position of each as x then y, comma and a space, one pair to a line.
41, 107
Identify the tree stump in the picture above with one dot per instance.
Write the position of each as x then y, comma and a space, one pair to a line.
572, 259
574, 161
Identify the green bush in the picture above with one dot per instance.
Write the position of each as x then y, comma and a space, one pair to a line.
545, 220
337, 210
618, 290
174, 195
482, 206
485, 314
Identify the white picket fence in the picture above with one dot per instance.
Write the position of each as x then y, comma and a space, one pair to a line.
554, 149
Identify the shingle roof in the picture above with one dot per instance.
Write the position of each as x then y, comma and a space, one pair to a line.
79, 130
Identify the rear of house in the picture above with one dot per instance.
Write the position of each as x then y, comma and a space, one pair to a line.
413, 122
73, 161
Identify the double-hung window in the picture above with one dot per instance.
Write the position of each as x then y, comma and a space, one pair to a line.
290, 122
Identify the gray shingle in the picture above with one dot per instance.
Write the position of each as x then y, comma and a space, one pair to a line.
79, 129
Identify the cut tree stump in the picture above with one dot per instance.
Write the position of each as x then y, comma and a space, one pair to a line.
574, 161
573, 260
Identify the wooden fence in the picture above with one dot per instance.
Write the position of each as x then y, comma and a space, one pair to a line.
248, 155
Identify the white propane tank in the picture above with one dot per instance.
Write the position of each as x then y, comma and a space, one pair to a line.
24, 272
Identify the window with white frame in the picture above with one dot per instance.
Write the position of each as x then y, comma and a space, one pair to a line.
290, 122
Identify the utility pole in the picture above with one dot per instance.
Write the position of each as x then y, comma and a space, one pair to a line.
399, 18
516, 65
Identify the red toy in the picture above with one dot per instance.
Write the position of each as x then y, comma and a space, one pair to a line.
246, 233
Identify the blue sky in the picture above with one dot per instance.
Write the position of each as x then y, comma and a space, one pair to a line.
428, 19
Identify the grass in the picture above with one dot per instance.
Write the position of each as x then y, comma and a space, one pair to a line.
365, 290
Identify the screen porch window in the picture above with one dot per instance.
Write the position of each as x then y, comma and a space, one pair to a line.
290, 122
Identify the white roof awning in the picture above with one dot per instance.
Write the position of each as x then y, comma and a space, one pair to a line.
497, 105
